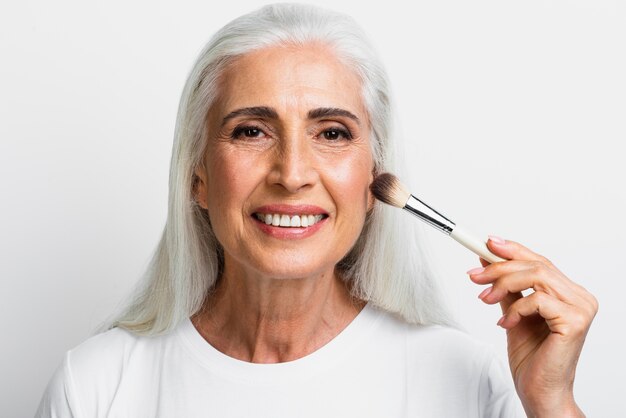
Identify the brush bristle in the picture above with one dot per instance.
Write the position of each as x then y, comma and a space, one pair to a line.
388, 189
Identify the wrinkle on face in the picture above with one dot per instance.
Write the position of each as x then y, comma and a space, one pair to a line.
291, 84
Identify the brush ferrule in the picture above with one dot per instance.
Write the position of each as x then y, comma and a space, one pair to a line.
429, 215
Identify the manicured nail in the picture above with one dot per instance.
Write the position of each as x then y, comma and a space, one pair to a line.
485, 292
501, 320
476, 270
497, 240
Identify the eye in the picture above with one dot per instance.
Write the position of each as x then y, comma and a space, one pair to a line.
247, 132
334, 134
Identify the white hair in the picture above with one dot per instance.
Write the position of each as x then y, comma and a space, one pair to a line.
386, 267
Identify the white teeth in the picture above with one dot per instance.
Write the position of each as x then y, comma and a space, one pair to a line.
285, 221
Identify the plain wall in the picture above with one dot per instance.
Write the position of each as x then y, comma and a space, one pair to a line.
514, 113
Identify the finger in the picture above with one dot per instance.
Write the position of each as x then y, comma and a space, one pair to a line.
537, 303
512, 250
516, 252
486, 263
515, 282
492, 272
509, 299
518, 275
560, 317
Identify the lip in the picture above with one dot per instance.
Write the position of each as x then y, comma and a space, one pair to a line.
292, 232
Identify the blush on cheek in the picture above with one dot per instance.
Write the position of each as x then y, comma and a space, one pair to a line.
352, 177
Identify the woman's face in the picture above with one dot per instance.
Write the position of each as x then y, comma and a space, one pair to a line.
288, 144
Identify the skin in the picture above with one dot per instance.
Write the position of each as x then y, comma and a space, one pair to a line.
280, 299
545, 330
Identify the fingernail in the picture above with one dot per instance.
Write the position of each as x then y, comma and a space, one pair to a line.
485, 292
476, 270
501, 320
497, 240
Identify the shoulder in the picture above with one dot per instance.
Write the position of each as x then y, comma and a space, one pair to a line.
88, 372
108, 351
452, 350
447, 347
104, 359
447, 363
444, 340
95, 369
91, 373
428, 335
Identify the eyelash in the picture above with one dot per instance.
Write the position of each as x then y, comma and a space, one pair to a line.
346, 134
239, 130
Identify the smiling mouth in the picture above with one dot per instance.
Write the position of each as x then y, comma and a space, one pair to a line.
286, 221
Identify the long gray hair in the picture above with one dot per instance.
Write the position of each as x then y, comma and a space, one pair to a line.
386, 267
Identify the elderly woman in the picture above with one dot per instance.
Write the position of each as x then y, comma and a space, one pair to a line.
280, 288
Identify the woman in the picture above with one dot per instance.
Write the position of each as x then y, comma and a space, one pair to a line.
281, 288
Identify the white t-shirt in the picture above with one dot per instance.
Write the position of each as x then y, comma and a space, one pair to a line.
378, 366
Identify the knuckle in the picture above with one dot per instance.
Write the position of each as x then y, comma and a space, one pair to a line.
538, 269
579, 323
504, 283
538, 300
545, 261
524, 304
593, 301
594, 304
493, 269
539, 297
537, 265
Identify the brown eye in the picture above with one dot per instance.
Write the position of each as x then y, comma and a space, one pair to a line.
247, 132
335, 134
251, 132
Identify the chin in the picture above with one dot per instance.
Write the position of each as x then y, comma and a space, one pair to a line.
294, 270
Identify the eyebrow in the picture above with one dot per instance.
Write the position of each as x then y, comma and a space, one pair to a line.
323, 112
269, 113
258, 111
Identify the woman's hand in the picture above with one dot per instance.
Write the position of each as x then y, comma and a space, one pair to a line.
545, 330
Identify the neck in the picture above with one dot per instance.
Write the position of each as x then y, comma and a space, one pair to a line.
264, 320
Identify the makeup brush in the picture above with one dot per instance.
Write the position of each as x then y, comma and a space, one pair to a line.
388, 189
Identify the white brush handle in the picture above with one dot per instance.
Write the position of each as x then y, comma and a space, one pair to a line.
473, 244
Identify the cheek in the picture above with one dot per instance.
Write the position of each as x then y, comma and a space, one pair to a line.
351, 177
231, 180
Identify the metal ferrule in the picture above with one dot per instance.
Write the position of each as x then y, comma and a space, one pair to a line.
429, 215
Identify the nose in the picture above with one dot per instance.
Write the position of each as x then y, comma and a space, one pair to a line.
293, 165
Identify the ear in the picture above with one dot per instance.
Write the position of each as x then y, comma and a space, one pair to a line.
199, 187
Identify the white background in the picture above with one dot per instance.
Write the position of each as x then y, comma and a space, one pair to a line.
515, 113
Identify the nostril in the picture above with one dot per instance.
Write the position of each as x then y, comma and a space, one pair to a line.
293, 168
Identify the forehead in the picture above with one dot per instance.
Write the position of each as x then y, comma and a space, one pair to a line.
288, 76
